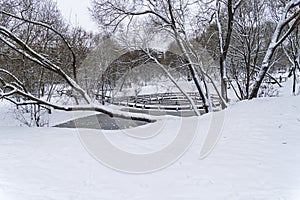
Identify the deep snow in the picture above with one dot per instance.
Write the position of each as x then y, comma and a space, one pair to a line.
257, 157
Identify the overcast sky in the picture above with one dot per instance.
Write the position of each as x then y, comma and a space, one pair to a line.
76, 12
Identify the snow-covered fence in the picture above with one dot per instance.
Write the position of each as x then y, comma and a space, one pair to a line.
163, 101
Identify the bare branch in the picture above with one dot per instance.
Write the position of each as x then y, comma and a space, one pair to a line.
41, 60
174, 82
275, 42
14, 77
52, 29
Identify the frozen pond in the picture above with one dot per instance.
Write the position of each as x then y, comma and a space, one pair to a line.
101, 121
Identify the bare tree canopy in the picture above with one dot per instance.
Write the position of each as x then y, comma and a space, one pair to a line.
241, 43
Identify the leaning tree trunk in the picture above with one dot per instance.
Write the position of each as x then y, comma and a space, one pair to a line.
263, 71
192, 69
195, 76
279, 36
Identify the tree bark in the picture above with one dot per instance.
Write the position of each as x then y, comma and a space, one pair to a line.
276, 40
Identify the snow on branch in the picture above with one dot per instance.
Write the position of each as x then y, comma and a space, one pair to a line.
236, 5
29, 53
18, 82
50, 28
16, 88
291, 22
174, 82
31, 99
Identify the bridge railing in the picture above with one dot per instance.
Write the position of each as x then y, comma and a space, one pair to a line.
166, 101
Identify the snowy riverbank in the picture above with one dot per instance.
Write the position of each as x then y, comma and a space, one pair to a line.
257, 157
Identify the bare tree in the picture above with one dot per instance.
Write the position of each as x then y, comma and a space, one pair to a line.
27, 21
247, 46
289, 20
13, 89
292, 51
170, 16
225, 39
106, 50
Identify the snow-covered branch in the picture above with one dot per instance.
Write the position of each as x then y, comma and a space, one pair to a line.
18, 82
31, 54
277, 38
236, 5
52, 29
9, 89
88, 107
174, 82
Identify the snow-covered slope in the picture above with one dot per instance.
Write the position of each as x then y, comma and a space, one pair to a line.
257, 157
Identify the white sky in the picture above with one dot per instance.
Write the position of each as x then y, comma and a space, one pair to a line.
76, 12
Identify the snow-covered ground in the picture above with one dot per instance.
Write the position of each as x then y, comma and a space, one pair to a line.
257, 158
160, 86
